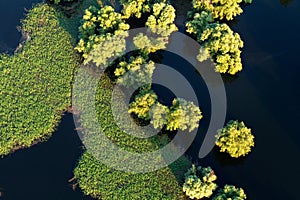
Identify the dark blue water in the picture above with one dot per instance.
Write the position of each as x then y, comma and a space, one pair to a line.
11, 12
265, 95
43, 171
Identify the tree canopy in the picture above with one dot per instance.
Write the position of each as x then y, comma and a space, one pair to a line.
221, 9
142, 103
99, 25
223, 45
138, 71
230, 192
183, 115
199, 182
235, 138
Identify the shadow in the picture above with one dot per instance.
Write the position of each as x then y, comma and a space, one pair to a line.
225, 160
285, 3
228, 78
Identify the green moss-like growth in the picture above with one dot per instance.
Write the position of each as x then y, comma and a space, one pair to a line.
235, 138
199, 182
35, 83
230, 192
102, 182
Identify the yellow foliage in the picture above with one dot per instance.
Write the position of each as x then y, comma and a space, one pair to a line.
235, 138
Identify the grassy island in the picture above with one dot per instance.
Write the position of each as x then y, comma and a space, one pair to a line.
35, 86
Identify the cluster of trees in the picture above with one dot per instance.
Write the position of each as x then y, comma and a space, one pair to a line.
137, 8
102, 38
218, 41
235, 138
200, 183
97, 31
183, 115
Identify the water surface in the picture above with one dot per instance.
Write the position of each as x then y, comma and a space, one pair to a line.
265, 95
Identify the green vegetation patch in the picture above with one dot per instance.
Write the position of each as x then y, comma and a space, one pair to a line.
35, 83
102, 182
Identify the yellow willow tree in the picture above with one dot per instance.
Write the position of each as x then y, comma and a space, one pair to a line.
230, 192
235, 138
199, 182
221, 9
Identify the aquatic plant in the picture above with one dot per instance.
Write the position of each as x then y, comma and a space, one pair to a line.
103, 182
35, 84
199, 182
235, 138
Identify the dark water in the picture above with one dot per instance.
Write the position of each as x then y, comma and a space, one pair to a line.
43, 171
265, 95
11, 12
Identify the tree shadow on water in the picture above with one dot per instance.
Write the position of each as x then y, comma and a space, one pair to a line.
285, 3
224, 159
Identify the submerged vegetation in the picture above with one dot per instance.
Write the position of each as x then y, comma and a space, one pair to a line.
35, 84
